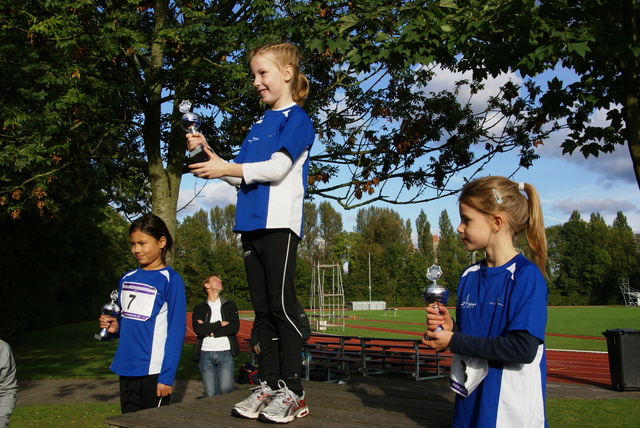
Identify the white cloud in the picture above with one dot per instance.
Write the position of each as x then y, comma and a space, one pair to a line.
196, 194
610, 168
603, 206
445, 79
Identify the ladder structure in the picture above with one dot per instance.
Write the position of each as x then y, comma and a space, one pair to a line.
327, 298
630, 295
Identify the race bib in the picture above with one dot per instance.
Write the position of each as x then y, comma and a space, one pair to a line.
137, 300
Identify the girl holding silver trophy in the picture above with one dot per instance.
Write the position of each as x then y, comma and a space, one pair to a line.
271, 171
499, 365
152, 320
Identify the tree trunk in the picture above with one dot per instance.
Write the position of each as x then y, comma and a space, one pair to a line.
632, 89
164, 180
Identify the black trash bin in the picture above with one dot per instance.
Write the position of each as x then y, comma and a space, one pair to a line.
623, 345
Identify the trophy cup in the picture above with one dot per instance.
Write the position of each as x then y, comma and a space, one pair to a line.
190, 122
111, 309
435, 293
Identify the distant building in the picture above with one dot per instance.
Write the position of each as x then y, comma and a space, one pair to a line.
435, 240
366, 306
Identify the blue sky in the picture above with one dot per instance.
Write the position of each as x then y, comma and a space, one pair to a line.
565, 183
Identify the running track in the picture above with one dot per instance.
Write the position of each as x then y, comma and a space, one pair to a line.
587, 368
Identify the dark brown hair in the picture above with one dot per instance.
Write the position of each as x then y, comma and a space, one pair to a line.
153, 225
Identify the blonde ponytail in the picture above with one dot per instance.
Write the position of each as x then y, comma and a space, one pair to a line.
494, 194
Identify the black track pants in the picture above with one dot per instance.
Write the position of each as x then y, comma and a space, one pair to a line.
280, 321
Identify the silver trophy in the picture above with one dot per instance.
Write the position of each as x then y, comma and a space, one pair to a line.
435, 293
111, 309
190, 122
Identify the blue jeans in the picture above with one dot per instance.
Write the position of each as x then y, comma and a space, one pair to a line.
216, 369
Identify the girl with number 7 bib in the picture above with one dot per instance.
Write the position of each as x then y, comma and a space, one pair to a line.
152, 322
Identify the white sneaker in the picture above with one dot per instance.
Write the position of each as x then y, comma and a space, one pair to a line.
258, 400
285, 406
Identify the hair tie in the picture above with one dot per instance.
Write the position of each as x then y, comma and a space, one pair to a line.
521, 186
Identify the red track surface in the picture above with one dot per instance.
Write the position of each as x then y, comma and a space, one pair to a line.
587, 368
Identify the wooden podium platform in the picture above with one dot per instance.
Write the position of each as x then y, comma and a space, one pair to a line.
373, 401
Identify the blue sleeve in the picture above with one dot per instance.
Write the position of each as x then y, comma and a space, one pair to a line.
297, 134
176, 329
528, 304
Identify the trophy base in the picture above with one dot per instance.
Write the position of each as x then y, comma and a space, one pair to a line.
198, 155
101, 338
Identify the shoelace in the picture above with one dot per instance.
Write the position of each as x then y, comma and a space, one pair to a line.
259, 390
285, 396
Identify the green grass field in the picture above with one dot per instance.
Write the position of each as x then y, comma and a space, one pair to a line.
587, 321
70, 352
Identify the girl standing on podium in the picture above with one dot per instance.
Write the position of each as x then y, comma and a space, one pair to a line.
271, 171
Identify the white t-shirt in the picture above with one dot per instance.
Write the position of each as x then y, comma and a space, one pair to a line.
215, 343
